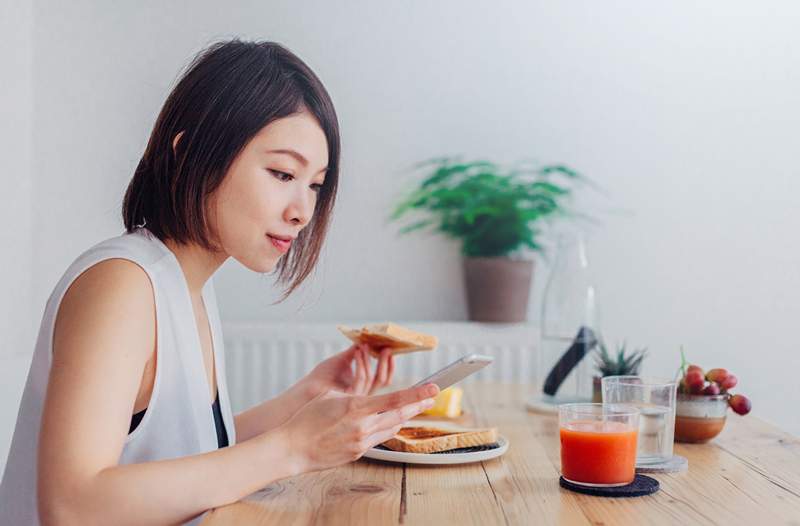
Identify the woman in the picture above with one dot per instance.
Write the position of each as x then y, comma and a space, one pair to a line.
125, 417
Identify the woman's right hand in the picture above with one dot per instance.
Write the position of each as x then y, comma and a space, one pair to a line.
336, 428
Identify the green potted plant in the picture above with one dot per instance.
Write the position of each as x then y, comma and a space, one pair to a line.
621, 363
496, 213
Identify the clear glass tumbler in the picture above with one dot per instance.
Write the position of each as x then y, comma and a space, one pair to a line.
598, 443
655, 398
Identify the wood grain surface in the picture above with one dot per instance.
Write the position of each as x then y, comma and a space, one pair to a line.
750, 474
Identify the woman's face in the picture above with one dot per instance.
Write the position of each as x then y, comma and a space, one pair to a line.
269, 193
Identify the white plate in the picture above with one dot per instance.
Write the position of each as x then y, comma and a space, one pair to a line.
441, 458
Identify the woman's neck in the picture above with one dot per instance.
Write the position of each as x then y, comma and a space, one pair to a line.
197, 264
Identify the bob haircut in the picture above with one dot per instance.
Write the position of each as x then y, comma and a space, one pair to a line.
229, 92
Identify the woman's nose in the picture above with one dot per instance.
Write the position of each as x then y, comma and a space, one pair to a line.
299, 210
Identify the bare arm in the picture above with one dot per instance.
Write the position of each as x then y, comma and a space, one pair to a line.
104, 335
274, 412
174, 491
347, 372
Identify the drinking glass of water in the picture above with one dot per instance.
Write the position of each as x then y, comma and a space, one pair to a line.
655, 398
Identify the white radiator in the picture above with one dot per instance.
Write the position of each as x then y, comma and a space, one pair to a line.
263, 359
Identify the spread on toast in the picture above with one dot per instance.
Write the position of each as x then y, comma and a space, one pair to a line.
424, 439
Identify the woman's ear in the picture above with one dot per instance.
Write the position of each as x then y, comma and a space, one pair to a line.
175, 141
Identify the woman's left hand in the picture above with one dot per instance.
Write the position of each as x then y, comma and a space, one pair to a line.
350, 372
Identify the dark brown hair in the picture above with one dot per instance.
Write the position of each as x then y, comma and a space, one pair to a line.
229, 92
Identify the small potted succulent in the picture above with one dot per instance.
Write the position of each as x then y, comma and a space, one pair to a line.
702, 402
621, 363
497, 214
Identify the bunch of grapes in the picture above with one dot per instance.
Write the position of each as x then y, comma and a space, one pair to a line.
714, 382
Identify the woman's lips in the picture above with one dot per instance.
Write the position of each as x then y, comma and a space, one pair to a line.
280, 244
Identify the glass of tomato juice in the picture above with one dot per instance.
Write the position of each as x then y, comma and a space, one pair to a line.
598, 443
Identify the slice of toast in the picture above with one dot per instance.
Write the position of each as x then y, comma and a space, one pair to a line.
399, 339
419, 439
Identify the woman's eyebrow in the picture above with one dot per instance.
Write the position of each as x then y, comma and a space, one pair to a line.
297, 155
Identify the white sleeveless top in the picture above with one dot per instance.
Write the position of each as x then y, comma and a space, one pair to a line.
179, 420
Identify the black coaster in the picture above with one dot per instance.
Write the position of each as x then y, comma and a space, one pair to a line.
641, 485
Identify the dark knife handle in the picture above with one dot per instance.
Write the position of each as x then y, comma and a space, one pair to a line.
584, 342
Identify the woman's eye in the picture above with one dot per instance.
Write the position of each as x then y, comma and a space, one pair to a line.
282, 176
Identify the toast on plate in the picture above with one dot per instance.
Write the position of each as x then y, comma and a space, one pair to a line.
422, 439
399, 339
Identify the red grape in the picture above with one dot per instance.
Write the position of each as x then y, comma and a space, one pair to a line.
694, 379
711, 389
740, 404
696, 390
717, 375
694, 368
729, 382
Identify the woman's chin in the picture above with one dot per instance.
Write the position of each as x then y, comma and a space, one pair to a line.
262, 266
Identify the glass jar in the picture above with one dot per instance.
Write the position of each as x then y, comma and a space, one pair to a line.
569, 326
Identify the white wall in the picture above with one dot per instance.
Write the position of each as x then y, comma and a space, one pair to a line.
685, 114
16, 104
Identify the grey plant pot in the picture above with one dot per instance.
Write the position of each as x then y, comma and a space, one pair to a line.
497, 288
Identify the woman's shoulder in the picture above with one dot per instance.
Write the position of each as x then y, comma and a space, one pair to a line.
139, 246
114, 283
118, 267
108, 297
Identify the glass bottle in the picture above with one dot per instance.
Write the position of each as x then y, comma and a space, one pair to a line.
569, 329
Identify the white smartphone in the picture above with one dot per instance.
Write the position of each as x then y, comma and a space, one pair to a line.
457, 371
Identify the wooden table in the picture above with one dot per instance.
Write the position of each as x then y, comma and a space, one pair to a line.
750, 474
